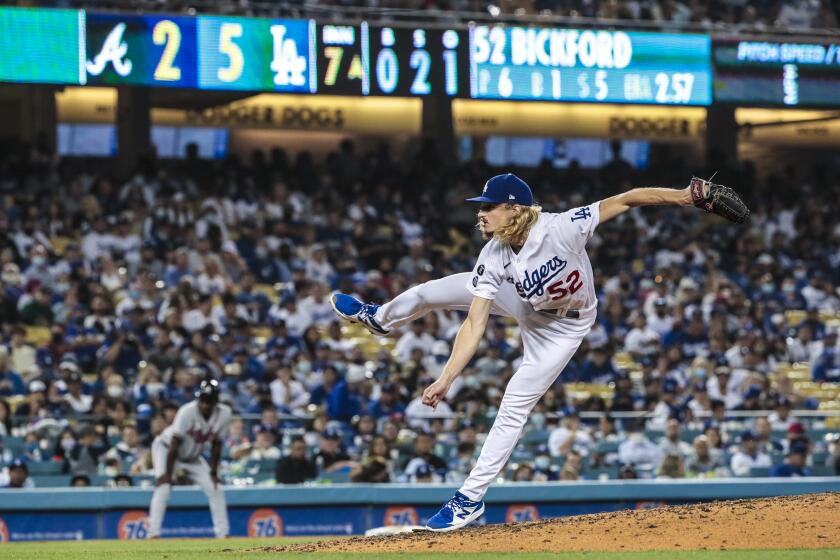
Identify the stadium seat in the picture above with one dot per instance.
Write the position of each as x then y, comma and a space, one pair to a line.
38, 336
535, 437
59, 244
14, 444
336, 477
604, 447
261, 466
596, 474
757, 472
268, 291
45, 468
51, 481
823, 470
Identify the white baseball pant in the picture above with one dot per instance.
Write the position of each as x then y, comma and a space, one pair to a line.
549, 343
199, 473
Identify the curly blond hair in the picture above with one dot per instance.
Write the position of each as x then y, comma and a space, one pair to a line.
516, 232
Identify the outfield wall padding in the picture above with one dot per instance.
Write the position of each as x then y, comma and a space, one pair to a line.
344, 509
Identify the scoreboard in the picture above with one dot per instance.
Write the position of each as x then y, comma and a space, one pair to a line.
341, 59
282, 55
416, 61
41, 46
479, 61
368, 59
777, 73
207, 52
555, 64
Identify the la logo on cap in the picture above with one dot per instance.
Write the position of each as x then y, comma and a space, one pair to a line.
511, 197
485, 188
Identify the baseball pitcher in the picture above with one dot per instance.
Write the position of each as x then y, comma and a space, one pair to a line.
534, 268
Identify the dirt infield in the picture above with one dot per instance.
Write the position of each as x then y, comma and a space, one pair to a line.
810, 521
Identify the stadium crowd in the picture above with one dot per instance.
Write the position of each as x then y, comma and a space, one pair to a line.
118, 297
758, 15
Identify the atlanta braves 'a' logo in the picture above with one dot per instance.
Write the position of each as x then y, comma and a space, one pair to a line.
113, 50
535, 281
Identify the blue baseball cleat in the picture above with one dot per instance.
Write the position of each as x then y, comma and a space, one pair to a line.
458, 512
351, 309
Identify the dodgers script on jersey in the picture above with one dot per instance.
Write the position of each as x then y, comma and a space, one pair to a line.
552, 270
194, 431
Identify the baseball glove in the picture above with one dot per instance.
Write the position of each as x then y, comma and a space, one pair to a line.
720, 200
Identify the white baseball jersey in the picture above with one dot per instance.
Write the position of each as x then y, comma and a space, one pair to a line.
551, 270
194, 430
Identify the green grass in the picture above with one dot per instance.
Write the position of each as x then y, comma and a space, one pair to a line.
232, 549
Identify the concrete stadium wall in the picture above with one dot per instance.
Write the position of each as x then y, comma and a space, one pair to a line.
345, 509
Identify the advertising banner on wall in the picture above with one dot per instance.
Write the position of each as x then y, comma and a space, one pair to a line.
495, 118
264, 111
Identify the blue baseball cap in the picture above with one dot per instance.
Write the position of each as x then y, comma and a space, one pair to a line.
670, 386
507, 188
570, 411
424, 469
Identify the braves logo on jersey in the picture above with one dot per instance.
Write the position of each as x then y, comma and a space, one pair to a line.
536, 280
200, 436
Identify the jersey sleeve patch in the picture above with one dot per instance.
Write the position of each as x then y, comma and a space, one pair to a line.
486, 279
576, 226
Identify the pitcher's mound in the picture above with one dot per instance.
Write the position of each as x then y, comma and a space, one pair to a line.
809, 521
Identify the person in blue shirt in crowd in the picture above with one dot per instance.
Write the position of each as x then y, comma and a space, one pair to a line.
282, 340
388, 402
796, 462
790, 297
345, 400
812, 319
123, 349
827, 366
691, 337
249, 366
598, 367
320, 394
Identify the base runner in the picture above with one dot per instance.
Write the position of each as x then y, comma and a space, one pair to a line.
179, 447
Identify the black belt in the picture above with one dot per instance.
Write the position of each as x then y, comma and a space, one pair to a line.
563, 313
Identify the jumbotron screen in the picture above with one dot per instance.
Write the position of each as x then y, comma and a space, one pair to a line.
777, 74
305, 56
